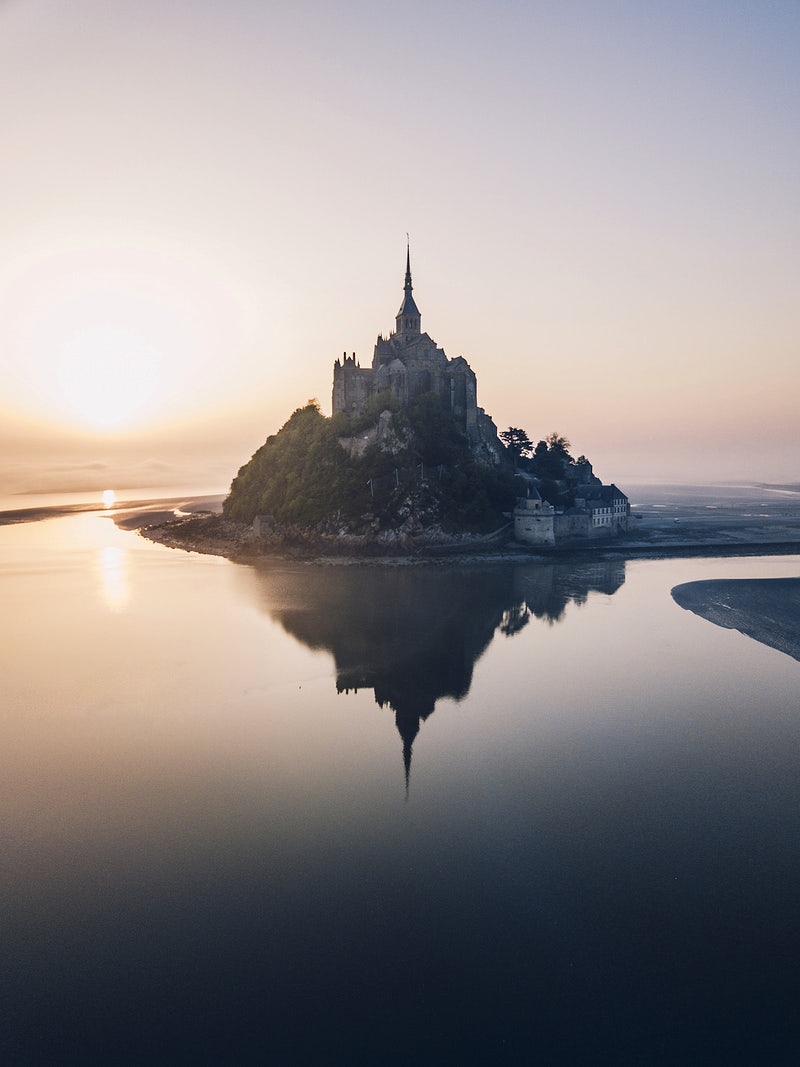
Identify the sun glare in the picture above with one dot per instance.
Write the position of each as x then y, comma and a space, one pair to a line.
108, 377
113, 581
109, 498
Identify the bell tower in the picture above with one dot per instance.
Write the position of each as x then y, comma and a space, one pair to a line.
408, 317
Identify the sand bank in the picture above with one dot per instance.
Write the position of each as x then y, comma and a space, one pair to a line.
766, 609
129, 515
17, 515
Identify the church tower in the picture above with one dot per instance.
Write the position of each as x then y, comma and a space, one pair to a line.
409, 363
408, 317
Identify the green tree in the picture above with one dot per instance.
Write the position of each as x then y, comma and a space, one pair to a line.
517, 442
558, 444
309, 483
552, 464
301, 475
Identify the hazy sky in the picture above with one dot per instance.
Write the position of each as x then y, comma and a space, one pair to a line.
205, 203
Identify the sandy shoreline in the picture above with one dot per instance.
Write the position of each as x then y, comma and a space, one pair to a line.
766, 609
701, 527
238, 545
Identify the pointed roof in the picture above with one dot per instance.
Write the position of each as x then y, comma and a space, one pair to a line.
409, 306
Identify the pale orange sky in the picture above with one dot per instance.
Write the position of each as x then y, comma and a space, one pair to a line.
205, 204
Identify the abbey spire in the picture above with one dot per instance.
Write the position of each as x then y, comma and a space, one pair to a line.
408, 317
409, 363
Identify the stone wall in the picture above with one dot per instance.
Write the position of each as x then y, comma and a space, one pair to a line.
572, 524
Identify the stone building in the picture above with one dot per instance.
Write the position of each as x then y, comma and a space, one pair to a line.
607, 506
599, 511
409, 363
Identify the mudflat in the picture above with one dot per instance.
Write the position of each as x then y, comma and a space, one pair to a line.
766, 609
130, 515
724, 517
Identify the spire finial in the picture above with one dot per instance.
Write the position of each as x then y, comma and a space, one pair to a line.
408, 317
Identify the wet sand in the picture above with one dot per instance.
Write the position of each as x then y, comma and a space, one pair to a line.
726, 519
159, 512
129, 515
766, 609
16, 515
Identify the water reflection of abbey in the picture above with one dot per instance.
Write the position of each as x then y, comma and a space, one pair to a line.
414, 634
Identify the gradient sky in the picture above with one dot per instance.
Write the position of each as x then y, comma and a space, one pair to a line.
205, 203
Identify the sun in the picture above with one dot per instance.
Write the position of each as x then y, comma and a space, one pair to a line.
108, 377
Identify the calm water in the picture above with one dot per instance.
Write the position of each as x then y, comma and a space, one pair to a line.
529, 814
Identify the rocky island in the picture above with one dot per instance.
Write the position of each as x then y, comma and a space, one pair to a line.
408, 466
409, 462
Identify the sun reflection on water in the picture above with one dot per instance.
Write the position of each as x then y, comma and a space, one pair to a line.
113, 578
109, 498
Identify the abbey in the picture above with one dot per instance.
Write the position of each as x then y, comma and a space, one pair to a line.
409, 363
